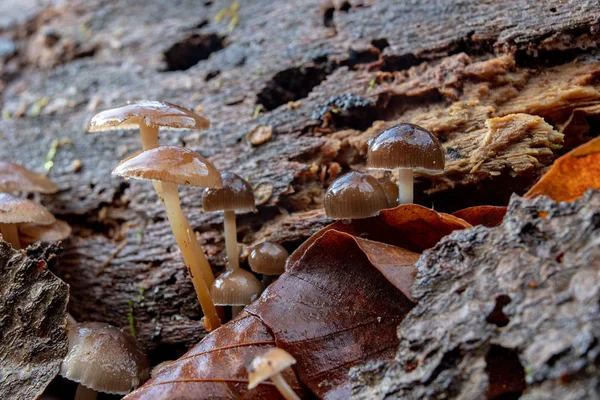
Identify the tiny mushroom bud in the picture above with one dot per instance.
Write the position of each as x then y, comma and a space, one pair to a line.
14, 211
236, 288
355, 195
102, 358
268, 259
148, 116
392, 191
174, 166
406, 147
235, 195
15, 178
269, 366
31, 233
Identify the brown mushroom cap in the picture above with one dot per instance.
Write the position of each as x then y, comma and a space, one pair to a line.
235, 195
272, 362
406, 146
104, 358
16, 178
268, 258
151, 113
15, 210
392, 191
31, 233
170, 164
235, 288
355, 195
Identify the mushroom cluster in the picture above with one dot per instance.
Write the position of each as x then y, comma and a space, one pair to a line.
22, 221
403, 149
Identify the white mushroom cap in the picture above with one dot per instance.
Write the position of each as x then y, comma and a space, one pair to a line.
268, 364
104, 358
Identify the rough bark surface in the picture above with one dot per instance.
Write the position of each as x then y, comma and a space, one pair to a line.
506, 86
33, 336
506, 312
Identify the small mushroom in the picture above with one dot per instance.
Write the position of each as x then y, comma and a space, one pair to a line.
31, 233
14, 211
172, 166
355, 195
148, 116
235, 195
391, 189
269, 366
268, 259
236, 288
102, 358
406, 147
16, 178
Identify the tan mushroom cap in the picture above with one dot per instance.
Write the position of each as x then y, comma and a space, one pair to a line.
16, 178
235, 195
272, 362
406, 146
31, 233
148, 112
268, 258
355, 195
104, 358
170, 164
15, 210
235, 288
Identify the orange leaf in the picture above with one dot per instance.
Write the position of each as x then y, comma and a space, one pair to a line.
571, 175
333, 309
489, 216
409, 226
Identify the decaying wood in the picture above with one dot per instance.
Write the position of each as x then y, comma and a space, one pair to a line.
33, 316
506, 312
500, 84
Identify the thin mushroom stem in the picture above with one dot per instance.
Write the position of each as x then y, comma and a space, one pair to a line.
405, 186
283, 387
193, 254
149, 138
10, 234
231, 239
85, 393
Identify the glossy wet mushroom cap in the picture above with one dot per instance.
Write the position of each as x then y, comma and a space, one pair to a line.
235, 288
268, 258
355, 195
406, 146
104, 358
15, 210
174, 164
149, 113
267, 365
235, 195
16, 178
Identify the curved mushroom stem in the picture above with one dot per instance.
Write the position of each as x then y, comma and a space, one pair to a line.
193, 254
231, 239
149, 137
85, 393
10, 234
283, 387
405, 186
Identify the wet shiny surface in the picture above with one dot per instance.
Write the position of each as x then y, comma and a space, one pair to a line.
170, 164
235, 195
406, 146
268, 258
16, 178
14, 210
235, 288
355, 195
104, 358
152, 113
